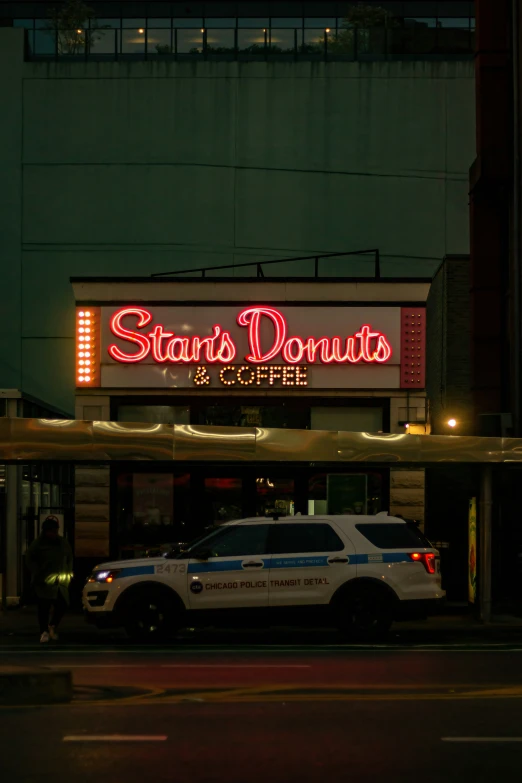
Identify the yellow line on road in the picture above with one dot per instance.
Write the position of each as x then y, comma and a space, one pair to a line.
274, 693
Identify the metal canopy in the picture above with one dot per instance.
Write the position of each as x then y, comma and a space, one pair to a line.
26, 440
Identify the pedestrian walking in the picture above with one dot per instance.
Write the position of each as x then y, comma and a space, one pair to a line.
49, 559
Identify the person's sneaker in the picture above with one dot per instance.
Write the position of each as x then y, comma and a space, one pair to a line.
52, 633
44, 638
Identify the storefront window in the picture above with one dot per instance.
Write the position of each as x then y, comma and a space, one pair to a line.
153, 512
275, 496
359, 419
223, 499
345, 493
36, 496
55, 495
46, 496
155, 414
276, 416
25, 496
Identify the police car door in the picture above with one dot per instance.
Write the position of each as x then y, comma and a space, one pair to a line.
309, 562
229, 569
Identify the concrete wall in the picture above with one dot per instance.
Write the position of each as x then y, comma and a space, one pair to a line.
134, 168
448, 347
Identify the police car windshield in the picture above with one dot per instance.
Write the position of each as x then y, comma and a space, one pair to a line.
182, 550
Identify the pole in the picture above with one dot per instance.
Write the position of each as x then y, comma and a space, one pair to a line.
3, 551
485, 516
516, 221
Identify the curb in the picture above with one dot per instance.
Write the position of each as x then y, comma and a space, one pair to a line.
19, 686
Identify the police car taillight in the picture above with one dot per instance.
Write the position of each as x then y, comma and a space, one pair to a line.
426, 558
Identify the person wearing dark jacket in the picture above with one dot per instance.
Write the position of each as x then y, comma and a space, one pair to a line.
49, 559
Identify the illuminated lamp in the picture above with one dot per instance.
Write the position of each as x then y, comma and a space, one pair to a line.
452, 423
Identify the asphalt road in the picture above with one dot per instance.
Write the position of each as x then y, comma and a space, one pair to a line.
270, 713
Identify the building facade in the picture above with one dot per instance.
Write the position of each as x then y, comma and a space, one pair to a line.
121, 159
297, 355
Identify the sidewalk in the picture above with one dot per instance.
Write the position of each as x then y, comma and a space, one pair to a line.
20, 626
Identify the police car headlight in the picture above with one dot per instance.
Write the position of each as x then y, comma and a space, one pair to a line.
104, 576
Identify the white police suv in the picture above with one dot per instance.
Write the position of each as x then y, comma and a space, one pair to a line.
358, 573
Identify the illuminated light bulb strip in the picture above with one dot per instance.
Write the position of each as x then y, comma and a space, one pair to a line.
413, 347
87, 365
248, 375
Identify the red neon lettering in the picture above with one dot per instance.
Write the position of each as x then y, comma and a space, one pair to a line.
224, 353
365, 335
384, 351
252, 318
288, 355
157, 336
364, 346
178, 350
144, 318
227, 351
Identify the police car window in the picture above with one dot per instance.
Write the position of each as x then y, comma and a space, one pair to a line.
393, 536
315, 537
237, 540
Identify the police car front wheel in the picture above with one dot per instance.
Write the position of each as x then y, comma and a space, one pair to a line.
149, 617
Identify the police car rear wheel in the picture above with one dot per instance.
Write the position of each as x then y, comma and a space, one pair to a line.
149, 617
366, 614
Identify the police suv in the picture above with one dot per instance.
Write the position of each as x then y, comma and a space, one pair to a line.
358, 573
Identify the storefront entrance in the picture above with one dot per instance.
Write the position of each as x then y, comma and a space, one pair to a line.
153, 509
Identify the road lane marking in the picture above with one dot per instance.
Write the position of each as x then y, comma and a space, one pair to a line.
180, 666
115, 738
481, 739
37, 650
235, 666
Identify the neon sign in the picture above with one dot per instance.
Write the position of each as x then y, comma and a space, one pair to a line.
365, 346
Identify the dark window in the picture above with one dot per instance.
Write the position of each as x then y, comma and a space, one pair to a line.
316, 537
236, 541
393, 536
